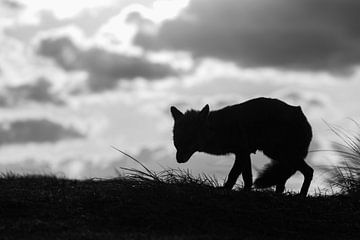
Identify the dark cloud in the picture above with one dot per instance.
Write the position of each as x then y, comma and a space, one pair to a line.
39, 92
35, 131
318, 35
11, 4
105, 68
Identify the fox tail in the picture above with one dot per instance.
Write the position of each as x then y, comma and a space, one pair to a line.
273, 174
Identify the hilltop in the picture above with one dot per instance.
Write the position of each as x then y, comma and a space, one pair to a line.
49, 207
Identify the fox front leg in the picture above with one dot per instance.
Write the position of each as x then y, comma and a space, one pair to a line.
242, 165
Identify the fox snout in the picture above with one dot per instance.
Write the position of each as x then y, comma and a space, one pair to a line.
182, 157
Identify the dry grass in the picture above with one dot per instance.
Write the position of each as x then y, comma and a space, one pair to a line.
346, 175
170, 176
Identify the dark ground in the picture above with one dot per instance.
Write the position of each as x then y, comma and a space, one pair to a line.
45, 207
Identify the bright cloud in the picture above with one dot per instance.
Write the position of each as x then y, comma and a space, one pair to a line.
61, 9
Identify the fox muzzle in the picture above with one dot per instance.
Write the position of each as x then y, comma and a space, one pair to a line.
183, 157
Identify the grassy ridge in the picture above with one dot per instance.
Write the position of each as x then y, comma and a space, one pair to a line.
133, 207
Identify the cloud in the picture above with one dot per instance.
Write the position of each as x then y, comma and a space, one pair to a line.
83, 168
316, 104
71, 168
11, 4
32, 10
39, 92
104, 68
35, 131
8, 10
315, 35
309, 99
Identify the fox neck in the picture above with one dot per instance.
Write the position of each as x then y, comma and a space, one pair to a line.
208, 143
213, 142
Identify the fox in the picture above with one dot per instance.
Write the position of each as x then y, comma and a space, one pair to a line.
281, 131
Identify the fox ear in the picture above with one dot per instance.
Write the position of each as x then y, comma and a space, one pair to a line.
205, 112
176, 114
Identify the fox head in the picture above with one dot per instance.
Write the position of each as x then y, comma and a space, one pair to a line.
188, 131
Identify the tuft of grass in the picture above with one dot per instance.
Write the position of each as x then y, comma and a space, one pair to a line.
346, 175
169, 176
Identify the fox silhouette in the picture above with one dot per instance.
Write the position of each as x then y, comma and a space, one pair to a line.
279, 130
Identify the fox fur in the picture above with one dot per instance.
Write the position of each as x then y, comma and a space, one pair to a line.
280, 130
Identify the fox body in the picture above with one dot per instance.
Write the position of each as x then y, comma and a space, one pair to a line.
280, 130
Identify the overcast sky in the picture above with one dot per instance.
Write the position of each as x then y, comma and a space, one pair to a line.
77, 77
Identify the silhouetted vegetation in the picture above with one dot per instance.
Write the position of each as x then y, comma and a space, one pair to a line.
172, 204
346, 175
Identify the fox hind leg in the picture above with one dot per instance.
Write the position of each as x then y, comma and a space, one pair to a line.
287, 173
305, 169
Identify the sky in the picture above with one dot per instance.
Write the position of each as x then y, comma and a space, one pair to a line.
77, 77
